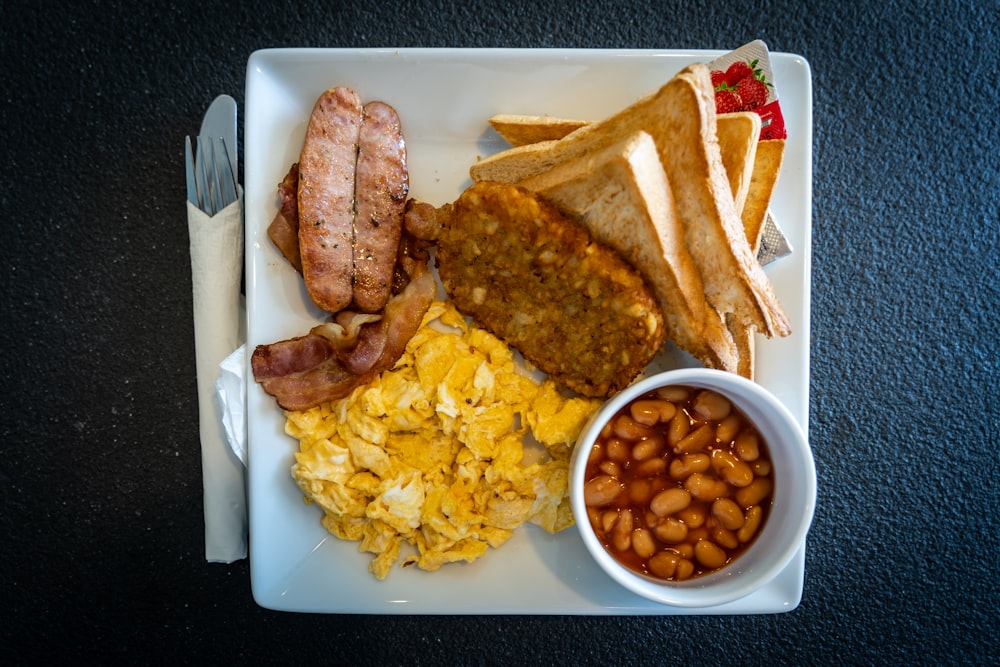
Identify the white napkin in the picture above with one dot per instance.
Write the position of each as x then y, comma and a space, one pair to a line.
232, 393
216, 267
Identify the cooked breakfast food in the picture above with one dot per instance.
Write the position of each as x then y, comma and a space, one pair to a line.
620, 194
678, 484
583, 248
336, 357
519, 130
326, 198
738, 134
681, 118
537, 279
352, 184
432, 461
284, 228
381, 188
767, 166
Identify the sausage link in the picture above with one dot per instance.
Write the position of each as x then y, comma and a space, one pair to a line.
382, 186
326, 198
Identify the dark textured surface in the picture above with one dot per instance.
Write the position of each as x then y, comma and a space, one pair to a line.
100, 479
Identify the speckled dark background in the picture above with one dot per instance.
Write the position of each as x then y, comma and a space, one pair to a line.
100, 479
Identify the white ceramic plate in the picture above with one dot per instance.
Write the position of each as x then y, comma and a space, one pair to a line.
444, 97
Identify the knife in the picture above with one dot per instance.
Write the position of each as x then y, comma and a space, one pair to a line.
220, 121
217, 137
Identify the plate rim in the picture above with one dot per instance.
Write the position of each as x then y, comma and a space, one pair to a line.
271, 598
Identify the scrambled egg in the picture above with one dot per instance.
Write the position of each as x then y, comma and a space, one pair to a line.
442, 455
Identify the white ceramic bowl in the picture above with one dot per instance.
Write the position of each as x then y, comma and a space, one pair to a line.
790, 515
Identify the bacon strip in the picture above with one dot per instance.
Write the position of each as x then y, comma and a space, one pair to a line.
303, 372
284, 229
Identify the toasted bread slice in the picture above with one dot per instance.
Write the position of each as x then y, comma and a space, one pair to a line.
766, 166
620, 194
738, 134
681, 118
521, 130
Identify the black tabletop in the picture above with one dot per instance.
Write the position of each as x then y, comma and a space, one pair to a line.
102, 550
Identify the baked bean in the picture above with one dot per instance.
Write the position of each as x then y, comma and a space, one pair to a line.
650, 412
684, 465
704, 487
677, 428
696, 440
642, 543
647, 447
678, 483
670, 501
674, 393
755, 492
664, 564
725, 538
694, 515
610, 468
671, 531
709, 554
651, 467
711, 406
729, 428
685, 568
730, 468
618, 450
746, 446
621, 533
601, 490
753, 518
629, 429
728, 513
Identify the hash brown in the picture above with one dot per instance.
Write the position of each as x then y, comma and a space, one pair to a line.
532, 276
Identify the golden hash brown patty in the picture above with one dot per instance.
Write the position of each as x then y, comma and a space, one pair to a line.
535, 278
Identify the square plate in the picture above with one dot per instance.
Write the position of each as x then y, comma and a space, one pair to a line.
444, 98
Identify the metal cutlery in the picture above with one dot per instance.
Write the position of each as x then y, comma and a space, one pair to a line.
211, 167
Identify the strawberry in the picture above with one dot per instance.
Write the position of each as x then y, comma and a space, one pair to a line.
752, 92
719, 80
727, 101
738, 71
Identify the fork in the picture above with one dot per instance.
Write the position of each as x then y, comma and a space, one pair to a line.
211, 183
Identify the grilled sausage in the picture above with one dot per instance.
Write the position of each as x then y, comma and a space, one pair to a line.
326, 198
381, 188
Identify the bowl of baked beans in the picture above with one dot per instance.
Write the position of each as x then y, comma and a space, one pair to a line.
693, 487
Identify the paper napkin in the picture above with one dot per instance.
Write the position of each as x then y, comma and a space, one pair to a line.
216, 268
